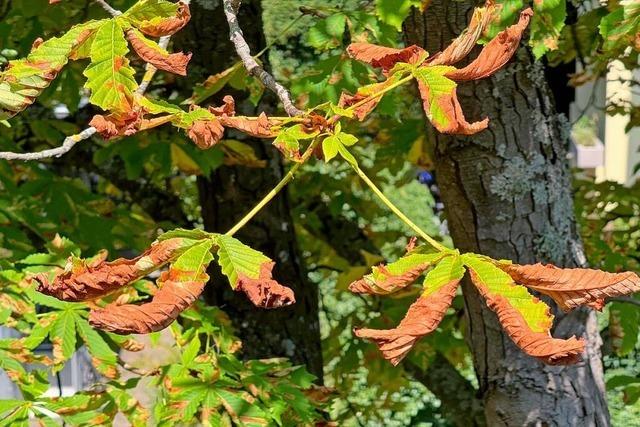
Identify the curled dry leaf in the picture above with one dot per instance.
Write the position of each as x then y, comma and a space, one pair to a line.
260, 127
177, 292
81, 281
263, 291
496, 53
155, 55
385, 57
159, 27
526, 319
463, 44
361, 106
117, 124
387, 279
423, 316
573, 287
206, 133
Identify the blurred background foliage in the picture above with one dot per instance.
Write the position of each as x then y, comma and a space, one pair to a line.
119, 195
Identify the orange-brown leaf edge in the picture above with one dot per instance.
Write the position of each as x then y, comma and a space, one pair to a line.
174, 62
265, 292
169, 26
422, 318
573, 287
385, 57
456, 123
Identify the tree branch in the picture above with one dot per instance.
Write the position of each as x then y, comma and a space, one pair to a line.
68, 143
253, 68
110, 10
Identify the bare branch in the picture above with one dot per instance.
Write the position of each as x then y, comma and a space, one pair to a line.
111, 11
68, 144
253, 68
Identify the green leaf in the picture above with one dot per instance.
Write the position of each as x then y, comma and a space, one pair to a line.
196, 258
104, 359
109, 76
194, 234
448, 270
345, 154
237, 258
546, 25
190, 352
148, 10
64, 330
439, 85
627, 319
330, 147
394, 12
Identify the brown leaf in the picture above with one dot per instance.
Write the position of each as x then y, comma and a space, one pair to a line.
117, 124
265, 292
178, 291
153, 54
461, 46
423, 317
496, 53
362, 110
169, 26
82, 281
537, 344
573, 287
260, 127
206, 133
385, 57
228, 107
454, 121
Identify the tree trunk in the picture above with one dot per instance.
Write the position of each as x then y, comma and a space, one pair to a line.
507, 195
230, 192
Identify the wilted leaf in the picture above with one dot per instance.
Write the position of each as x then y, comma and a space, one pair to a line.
82, 280
573, 287
423, 316
155, 55
249, 271
526, 319
160, 25
386, 57
496, 53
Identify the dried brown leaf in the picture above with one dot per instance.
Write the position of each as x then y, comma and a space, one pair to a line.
263, 291
496, 53
423, 317
573, 287
385, 57
177, 292
462, 46
206, 133
81, 281
153, 54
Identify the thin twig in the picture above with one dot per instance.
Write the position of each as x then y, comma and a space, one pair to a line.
67, 145
111, 11
253, 68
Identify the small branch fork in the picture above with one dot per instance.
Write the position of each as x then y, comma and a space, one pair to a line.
70, 141
253, 68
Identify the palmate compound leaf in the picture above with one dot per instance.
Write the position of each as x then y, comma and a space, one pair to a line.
526, 319
424, 315
24, 80
573, 287
109, 75
250, 271
180, 286
436, 79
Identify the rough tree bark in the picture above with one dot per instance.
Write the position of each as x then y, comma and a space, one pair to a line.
507, 195
230, 192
